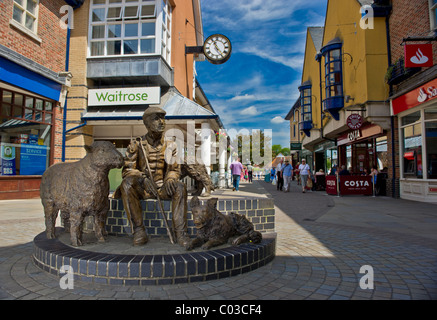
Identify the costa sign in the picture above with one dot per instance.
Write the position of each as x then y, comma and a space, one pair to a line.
415, 97
350, 185
354, 121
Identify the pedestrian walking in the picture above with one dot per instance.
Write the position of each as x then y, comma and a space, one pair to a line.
304, 170
236, 169
279, 178
250, 172
287, 172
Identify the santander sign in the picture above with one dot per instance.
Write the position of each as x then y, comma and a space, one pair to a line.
430, 93
412, 99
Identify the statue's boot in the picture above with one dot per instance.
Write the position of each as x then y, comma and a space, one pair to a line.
140, 236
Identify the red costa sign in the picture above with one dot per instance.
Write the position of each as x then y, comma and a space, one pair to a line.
354, 121
418, 55
415, 97
350, 185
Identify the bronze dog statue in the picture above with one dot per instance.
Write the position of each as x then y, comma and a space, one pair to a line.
215, 228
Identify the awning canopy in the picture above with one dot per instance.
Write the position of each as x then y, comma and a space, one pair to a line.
176, 106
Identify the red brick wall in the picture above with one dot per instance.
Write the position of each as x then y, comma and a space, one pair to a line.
409, 18
51, 51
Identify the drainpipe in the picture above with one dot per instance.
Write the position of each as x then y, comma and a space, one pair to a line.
64, 121
76, 4
392, 118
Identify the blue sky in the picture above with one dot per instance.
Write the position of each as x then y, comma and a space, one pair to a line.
257, 86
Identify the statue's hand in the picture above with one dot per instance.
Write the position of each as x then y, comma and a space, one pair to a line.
148, 186
170, 186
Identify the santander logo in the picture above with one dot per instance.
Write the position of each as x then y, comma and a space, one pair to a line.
430, 93
419, 58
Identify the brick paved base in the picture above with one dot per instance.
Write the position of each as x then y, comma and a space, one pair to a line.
121, 269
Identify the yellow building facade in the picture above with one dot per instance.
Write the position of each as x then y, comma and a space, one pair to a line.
344, 108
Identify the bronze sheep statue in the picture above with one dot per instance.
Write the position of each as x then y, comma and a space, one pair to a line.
80, 189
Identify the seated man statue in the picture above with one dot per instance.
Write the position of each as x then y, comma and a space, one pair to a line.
165, 172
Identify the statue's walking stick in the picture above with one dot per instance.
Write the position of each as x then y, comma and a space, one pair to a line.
155, 191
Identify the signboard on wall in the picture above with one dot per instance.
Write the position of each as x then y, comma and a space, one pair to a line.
415, 97
33, 159
124, 96
7, 160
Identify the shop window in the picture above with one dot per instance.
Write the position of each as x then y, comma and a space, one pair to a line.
25, 134
25, 12
433, 14
130, 27
334, 99
431, 141
412, 145
306, 119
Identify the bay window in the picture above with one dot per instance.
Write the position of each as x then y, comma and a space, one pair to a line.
130, 27
306, 119
334, 99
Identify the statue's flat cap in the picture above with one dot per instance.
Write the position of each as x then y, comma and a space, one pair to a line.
153, 110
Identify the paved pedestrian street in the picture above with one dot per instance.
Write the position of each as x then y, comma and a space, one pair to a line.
328, 248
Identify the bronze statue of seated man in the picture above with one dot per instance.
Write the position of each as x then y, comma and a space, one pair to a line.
152, 172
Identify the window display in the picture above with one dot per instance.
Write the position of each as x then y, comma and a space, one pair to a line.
25, 134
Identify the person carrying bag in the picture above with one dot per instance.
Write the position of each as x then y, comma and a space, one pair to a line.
304, 170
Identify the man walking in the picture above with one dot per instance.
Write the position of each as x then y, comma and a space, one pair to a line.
287, 172
236, 168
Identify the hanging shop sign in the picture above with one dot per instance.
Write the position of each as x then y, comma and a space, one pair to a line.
295, 146
355, 121
418, 55
124, 96
415, 97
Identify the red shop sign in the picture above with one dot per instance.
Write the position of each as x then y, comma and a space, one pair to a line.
418, 55
331, 185
415, 97
356, 185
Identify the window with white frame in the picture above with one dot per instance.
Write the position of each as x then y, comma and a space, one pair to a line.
433, 13
25, 12
127, 27
166, 31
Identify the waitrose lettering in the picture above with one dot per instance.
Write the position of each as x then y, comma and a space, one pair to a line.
124, 96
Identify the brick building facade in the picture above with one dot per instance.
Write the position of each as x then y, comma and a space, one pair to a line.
33, 85
413, 166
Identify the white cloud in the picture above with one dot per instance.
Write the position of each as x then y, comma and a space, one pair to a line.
243, 98
251, 111
278, 120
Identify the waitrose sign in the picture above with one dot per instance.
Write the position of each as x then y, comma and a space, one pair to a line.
124, 96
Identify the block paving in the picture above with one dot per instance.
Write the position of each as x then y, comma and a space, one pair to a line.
322, 243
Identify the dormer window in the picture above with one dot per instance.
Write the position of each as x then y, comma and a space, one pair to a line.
306, 123
334, 99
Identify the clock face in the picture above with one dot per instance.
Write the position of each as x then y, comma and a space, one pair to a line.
217, 48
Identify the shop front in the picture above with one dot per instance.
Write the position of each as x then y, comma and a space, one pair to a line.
417, 118
30, 126
363, 148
